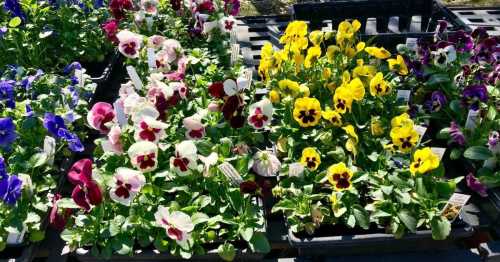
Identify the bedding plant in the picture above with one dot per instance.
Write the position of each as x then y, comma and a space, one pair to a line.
456, 84
41, 125
52, 34
176, 168
351, 150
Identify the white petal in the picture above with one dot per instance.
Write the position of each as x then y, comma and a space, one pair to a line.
230, 87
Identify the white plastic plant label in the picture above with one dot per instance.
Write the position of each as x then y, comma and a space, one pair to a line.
248, 75
421, 131
120, 113
235, 52
403, 96
149, 23
79, 76
231, 173
472, 119
454, 206
233, 37
16, 238
411, 43
151, 58
439, 151
132, 73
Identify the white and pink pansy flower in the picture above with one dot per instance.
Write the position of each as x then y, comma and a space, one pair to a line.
227, 24
144, 155
156, 41
145, 110
100, 115
132, 102
126, 90
260, 114
113, 143
194, 128
150, 6
173, 49
181, 88
149, 129
208, 161
129, 43
266, 164
185, 157
177, 224
233, 87
127, 183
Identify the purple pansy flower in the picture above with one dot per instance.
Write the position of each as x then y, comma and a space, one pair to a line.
7, 93
485, 51
14, 8
28, 81
479, 33
437, 101
232, 7
74, 142
3, 168
71, 67
474, 94
7, 132
456, 134
494, 142
53, 123
463, 41
10, 189
475, 185
3, 31
29, 111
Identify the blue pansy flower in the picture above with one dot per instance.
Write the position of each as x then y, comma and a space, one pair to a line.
98, 4
53, 123
27, 82
7, 132
3, 168
14, 8
10, 189
71, 67
3, 31
75, 97
7, 93
29, 111
74, 142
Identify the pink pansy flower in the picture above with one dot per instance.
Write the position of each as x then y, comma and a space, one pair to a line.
266, 164
179, 87
145, 110
113, 143
129, 43
126, 90
156, 41
127, 183
260, 114
194, 128
173, 49
86, 192
149, 129
185, 157
177, 224
100, 114
227, 24
162, 61
213, 107
150, 6
181, 70
144, 156
232, 87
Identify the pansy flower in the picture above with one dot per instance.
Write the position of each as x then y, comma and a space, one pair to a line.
456, 134
232, 7
332, 116
113, 143
3, 168
127, 183
265, 164
340, 177
129, 43
436, 102
313, 54
378, 52
72, 139
177, 224
310, 158
232, 109
7, 132
150, 6
86, 192
473, 95
194, 127
58, 219
260, 114
307, 111
144, 156
118, 8
424, 160
352, 140
376, 126
149, 129
378, 86
398, 65
404, 138
444, 56
475, 185
110, 29
156, 41
227, 24
7, 93
100, 114
185, 157
10, 189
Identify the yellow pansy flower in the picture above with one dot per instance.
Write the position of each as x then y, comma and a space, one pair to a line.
402, 120
362, 70
316, 37
266, 61
274, 96
357, 89
339, 176
327, 72
378, 86
342, 100
331, 51
378, 52
332, 116
294, 30
299, 60
352, 141
310, 158
424, 160
360, 46
289, 87
398, 65
313, 53
307, 111
304, 90
404, 138
346, 31
376, 127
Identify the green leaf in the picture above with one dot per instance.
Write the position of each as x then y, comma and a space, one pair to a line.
227, 252
351, 221
38, 159
32, 218
438, 78
247, 233
67, 235
444, 133
387, 189
259, 243
440, 227
199, 218
362, 216
477, 153
67, 203
15, 22
408, 220
492, 113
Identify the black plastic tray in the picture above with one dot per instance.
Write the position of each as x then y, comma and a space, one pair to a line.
389, 22
109, 83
